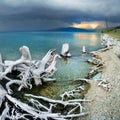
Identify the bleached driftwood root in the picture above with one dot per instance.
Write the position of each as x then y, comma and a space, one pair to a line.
108, 40
5, 112
96, 60
47, 109
83, 80
53, 104
94, 71
65, 51
105, 84
3, 92
72, 94
98, 64
83, 50
25, 59
39, 71
38, 107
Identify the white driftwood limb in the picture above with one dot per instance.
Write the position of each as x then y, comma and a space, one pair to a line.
38, 105
3, 92
71, 93
83, 79
65, 50
39, 71
56, 101
108, 41
97, 61
5, 112
52, 67
105, 84
25, 58
74, 92
34, 113
94, 71
45, 68
30, 110
75, 115
75, 103
12, 82
25, 53
83, 49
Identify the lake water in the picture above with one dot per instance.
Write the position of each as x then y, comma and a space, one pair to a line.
40, 42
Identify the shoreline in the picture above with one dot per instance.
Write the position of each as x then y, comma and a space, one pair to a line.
105, 104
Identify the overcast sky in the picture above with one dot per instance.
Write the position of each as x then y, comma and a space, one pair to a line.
49, 14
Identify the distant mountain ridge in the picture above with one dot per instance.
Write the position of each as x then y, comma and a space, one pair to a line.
66, 29
72, 29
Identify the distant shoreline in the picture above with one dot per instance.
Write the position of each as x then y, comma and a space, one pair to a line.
67, 29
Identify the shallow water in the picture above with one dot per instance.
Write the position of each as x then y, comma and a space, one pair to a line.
40, 42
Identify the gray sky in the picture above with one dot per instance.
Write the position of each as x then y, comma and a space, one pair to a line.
49, 14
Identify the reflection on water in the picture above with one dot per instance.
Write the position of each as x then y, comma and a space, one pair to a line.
87, 38
64, 62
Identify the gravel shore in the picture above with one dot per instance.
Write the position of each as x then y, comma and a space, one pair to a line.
105, 104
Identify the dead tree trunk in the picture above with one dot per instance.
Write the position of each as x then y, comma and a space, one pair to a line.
65, 51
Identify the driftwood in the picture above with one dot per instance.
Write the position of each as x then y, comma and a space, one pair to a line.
95, 61
108, 40
96, 53
83, 79
65, 51
105, 84
5, 112
72, 94
98, 64
53, 103
39, 71
83, 50
3, 92
35, 71
25, 59
42, 108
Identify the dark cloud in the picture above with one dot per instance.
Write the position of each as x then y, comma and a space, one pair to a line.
49, 14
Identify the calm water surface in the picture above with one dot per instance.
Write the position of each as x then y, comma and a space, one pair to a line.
40, 42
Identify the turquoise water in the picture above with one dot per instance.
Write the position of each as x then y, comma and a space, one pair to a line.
40, 42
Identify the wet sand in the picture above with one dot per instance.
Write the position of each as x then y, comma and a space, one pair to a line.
105, 104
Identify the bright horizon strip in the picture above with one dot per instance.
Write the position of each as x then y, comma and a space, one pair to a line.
87, 25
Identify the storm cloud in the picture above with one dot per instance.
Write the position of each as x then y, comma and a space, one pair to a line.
50, 14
